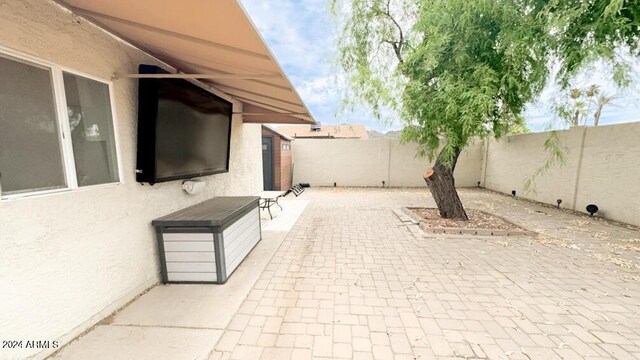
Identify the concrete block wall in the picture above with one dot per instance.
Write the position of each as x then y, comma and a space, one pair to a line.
357, 162
510, 161
602, 167
609, 175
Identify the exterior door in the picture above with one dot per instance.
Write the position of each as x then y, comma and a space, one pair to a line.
267, 162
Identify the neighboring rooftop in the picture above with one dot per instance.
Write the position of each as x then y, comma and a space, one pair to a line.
276, 132
318, 131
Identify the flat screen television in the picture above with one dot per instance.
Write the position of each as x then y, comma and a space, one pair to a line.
183, 130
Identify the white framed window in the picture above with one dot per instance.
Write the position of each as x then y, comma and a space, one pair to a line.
57, 130
286, 147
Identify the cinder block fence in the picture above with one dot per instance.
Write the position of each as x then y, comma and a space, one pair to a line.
602, 167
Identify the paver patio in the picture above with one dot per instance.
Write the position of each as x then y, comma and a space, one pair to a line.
352, 280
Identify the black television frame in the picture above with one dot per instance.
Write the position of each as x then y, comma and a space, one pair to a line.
147, 117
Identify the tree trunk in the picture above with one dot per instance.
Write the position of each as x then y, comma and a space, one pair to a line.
596, 116
442, 185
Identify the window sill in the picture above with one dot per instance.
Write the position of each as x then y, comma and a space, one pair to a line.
40, 194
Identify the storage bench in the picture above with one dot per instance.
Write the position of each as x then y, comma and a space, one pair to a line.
206, 242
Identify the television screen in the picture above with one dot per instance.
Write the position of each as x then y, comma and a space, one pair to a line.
183, 130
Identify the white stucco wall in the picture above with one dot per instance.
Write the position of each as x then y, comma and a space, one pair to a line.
357, 162
71, 258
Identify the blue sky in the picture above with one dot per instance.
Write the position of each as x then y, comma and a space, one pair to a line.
301, 35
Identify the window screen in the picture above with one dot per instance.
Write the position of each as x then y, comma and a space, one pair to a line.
30, 153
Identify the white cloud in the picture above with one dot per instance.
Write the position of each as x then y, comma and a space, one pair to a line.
319, 92
298, 33
301, 36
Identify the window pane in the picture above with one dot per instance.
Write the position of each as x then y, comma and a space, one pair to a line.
30, 153
91, 125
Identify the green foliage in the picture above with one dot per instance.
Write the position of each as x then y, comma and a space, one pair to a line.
584, 31
459, 69
517, 128
370, 46
463, 68
574, 106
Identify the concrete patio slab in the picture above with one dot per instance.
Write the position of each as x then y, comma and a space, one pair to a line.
108, 342
182, 311
353, 280
211, 306
201, 305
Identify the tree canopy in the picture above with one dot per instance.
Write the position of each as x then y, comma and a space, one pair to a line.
458, 69
583, 31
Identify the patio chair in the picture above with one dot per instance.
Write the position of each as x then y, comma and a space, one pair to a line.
295, 189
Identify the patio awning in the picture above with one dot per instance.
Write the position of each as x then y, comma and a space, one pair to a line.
210, 40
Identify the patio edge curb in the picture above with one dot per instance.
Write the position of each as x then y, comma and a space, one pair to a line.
465, 231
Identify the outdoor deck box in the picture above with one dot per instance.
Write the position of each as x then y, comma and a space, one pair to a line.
206, 242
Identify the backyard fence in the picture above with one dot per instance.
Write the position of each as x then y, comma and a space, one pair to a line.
356, 162
602, 167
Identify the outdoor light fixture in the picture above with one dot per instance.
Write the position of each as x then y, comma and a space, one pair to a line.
478, 183
382, 183
334, 185
592, 209
513, 193
559, 201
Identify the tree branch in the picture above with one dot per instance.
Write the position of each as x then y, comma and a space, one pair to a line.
397, 45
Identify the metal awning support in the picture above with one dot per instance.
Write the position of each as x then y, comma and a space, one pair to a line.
269, 114
195, 76
257, 114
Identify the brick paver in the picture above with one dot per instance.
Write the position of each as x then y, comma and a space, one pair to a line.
352, 281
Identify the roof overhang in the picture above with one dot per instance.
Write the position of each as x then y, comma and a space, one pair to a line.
275, 131
213, 41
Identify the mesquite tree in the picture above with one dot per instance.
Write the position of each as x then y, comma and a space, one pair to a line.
454, 69
462, 69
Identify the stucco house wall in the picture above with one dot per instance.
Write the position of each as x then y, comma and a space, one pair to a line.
71, 258
286, 164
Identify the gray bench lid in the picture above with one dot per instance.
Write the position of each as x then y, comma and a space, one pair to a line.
218, 211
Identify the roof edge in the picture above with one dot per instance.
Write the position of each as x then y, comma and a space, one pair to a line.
272, 129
